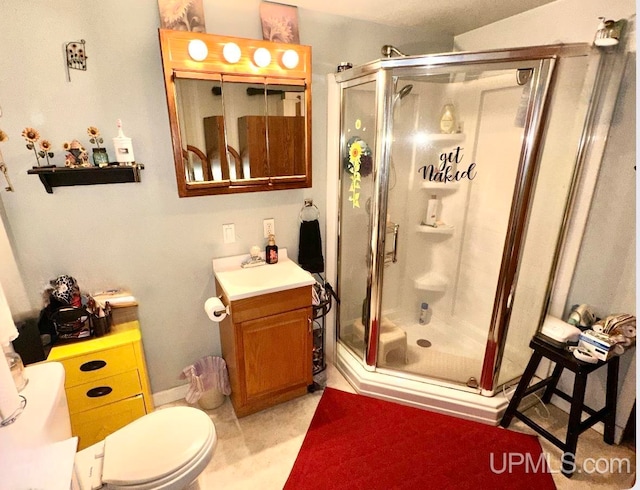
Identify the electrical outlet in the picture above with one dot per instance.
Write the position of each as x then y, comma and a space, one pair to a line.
229, 233
269, 227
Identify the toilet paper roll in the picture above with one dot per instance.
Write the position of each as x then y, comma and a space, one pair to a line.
10, 401
215, 310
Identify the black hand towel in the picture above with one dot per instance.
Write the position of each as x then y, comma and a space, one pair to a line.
310, 248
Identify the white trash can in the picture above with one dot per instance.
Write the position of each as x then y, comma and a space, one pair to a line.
208, 382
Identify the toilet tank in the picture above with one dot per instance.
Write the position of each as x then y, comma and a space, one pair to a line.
45, 418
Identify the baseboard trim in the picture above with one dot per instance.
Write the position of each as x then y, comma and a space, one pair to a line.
171, 395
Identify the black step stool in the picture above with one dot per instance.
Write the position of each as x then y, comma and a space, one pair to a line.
543, 346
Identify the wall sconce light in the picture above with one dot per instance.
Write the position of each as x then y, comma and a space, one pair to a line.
231, 52
290, 59
262, 57
197, 50
608, 33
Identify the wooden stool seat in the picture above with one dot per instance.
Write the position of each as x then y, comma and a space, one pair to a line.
544, 347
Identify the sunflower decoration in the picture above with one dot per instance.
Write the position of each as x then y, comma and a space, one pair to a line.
94, 136
32, 136
45, 150
359, 163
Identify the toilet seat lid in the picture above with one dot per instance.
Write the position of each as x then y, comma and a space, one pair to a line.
155, 445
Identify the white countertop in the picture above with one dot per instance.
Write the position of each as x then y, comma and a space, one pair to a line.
239, 283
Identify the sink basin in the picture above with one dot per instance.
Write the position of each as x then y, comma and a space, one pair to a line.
239, 283
45, 418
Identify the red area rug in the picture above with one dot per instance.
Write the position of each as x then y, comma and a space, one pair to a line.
358, 442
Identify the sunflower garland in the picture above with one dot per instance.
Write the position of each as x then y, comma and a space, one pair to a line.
358, 163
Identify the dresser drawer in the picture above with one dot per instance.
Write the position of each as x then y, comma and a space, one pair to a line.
98, 365
94, 425
103, 391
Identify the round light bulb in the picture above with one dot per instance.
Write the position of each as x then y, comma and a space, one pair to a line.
262, 57
290, 59
231, 52
197, 50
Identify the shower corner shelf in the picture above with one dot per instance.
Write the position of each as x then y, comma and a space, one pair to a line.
440, 230
446, 137
431, 281
440, 186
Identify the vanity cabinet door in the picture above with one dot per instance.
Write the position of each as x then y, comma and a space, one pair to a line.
277, 353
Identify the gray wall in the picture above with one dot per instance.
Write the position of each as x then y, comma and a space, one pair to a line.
142, 236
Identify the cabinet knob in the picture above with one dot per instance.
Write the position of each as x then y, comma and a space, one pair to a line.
99, 391
92, 366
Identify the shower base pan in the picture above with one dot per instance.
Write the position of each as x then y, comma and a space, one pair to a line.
425, 394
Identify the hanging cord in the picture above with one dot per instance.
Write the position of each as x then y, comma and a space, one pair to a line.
535, 407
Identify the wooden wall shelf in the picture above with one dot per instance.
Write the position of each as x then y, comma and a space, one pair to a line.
64, 176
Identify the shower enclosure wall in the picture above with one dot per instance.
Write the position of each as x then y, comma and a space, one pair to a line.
487, 146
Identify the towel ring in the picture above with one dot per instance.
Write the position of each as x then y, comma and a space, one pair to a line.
309, 211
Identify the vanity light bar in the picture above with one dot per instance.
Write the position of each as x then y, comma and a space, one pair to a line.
231, 52
233, 55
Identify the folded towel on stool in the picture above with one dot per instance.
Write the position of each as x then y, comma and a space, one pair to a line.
310, 248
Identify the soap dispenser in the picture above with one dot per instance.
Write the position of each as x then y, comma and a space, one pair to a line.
123, 147
271, 251
448, 119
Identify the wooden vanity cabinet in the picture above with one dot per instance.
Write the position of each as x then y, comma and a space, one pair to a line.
267, 345
106, 382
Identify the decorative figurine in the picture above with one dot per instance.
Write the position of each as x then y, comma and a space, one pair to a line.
77, 156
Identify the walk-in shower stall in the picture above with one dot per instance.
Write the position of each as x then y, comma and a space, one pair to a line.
455, 174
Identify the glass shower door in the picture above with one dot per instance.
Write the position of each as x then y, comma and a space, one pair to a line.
456, 147
436, 174
356, 185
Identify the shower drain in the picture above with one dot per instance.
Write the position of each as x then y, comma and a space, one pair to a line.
423, 343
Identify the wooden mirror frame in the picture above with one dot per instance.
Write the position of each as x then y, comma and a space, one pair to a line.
177, 63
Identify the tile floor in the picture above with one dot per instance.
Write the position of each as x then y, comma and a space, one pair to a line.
258, 451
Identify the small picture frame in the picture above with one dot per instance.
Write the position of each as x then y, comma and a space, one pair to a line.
182, 15
279, 23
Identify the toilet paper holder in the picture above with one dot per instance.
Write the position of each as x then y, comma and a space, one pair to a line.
216, 310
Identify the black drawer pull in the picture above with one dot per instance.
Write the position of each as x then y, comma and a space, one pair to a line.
99, 391
93, 366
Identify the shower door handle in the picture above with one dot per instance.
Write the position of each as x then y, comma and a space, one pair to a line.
392, 255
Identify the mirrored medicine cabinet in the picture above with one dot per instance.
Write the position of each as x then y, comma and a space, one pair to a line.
240, 113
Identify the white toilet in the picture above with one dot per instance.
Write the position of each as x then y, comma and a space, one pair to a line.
166, 449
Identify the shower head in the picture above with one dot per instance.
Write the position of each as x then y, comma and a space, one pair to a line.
404, 91
389, 51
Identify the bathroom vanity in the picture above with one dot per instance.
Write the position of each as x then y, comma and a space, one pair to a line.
267, 337
106, 382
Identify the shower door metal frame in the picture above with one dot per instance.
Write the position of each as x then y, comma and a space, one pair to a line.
380, 70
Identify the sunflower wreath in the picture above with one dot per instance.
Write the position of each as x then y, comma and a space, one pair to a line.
358, 163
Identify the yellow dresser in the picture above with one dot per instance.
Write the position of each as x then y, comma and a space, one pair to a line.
106, 382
